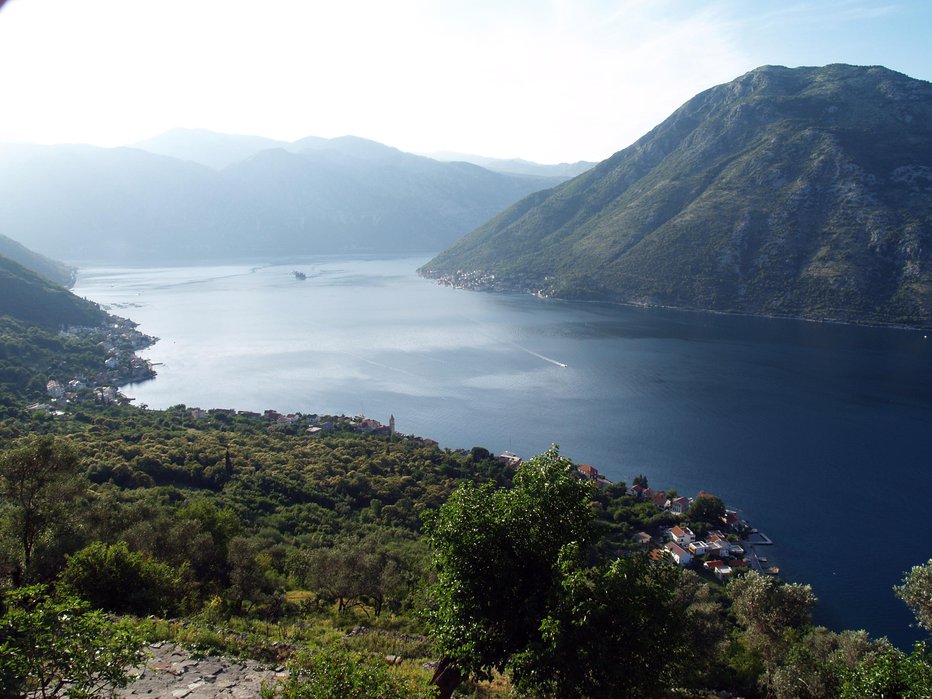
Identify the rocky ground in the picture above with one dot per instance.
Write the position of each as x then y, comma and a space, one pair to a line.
174, 673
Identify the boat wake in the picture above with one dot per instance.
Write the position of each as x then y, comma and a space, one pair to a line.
514, 344
537, 354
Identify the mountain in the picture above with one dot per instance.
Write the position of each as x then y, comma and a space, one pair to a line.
215, 150
801, 192
27, 297
516, 166
108, 204
55, 271
126, 205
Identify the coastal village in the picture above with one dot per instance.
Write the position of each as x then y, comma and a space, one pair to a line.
120, 341
719, 553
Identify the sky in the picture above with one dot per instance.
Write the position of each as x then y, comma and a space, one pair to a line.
548, 81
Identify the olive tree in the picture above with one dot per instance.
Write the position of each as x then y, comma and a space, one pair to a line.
516, 591
55, 645
916, 592
40, 481
769, 611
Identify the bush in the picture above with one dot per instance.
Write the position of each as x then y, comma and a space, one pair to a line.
123, 581
51, 645
335, 673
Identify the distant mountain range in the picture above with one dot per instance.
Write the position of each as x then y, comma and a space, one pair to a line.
170, 203
516, 166
801, 192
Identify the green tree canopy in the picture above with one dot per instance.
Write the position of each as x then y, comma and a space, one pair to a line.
770, 610
916, 592
496, 553
123, 581
708, 508
516, 591
39, 480
52, 645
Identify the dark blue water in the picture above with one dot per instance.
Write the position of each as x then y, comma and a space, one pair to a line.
821, 434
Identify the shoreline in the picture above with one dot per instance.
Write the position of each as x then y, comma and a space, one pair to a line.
442, 280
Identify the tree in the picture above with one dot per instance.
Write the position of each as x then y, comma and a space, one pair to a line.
515, 591
891, 673
479, 454
50, 645
816, 663
708, 508
612, 631
496, 553
769, 611
252, 579
332, 573
40, 480
916, 592
123, 581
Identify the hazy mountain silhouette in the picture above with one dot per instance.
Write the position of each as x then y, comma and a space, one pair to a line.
312, 196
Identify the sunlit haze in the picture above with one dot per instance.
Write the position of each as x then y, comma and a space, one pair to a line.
545, 81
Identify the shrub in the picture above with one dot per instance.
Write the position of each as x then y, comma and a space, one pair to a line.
114, 578
55, 644
335, 673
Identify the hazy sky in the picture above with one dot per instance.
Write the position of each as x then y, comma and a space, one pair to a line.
551, 81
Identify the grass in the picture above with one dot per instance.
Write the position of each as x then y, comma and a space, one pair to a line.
393, 639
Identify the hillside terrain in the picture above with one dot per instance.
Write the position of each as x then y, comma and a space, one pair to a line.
312, 196
335, 550
52, 270
27, 296
56, 345
798, 192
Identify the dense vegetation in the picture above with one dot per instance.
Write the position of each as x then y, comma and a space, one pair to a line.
31, 355
261, 536
801, 192
225, 520
26, 296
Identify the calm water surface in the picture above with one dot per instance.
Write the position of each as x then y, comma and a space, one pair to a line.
820, 434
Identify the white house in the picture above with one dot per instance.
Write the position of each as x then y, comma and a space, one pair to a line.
682, 535
682, 557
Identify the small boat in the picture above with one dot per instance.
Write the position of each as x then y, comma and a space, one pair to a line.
299, 275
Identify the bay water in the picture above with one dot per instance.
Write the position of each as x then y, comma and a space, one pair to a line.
820, 434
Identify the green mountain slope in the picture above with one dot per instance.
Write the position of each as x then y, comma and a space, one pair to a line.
802, 192
27, 297
55, 271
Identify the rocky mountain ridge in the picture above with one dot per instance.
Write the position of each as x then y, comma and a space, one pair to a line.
796, 192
